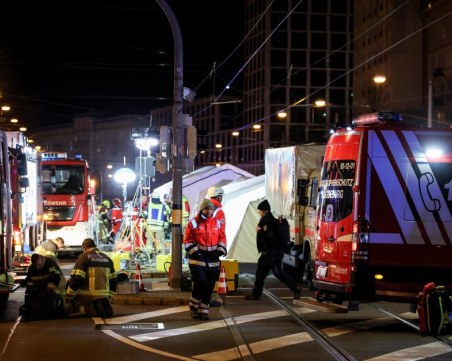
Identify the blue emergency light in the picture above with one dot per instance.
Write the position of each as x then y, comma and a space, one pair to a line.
378, 117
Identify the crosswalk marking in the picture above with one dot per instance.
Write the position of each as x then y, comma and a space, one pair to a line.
243, 351
256, 347
415, 353
145, 315
205, 326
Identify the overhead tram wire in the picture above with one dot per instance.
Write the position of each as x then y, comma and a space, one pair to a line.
282, 81
227, 58
351, 70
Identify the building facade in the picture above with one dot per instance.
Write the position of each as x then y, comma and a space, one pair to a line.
296, 53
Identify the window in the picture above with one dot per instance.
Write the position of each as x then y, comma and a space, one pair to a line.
336, 194
62, 180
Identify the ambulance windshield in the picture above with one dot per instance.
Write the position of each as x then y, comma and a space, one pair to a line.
335, 191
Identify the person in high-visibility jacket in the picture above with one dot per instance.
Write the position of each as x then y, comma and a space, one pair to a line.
204, 242
185, 212
216, 196
93, 282
52, 246
158, 216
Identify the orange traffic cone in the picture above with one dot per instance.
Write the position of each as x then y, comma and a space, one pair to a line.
222, 284
139, 278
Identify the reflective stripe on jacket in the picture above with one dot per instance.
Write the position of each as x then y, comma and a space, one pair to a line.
206, 235
157, 214
51, 249
93, 276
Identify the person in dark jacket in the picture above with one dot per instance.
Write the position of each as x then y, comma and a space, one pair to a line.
43, 297
271, 251
52, 246
50, 250
93, 281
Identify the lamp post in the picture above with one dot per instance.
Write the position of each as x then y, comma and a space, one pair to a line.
177, 148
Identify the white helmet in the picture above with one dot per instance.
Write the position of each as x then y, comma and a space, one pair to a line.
214, 191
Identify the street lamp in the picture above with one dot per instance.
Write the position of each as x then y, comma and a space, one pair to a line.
124, 176
378, 80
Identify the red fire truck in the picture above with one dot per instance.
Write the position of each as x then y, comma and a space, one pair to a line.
69, 200
25, 197
6, 281
383, 222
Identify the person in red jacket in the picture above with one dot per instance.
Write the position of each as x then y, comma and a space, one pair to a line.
215, 195
205, 243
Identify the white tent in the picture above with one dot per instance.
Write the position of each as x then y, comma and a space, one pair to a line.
242, 192
201, 179
243, 246
239, 206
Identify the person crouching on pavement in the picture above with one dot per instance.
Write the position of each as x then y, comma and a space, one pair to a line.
92, 283
43, 297
205, 243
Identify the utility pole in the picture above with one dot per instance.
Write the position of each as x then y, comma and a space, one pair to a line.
177, 148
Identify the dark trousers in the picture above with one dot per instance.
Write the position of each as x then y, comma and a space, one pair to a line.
204, 279
271, 261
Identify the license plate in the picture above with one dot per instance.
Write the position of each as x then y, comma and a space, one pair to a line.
321, 271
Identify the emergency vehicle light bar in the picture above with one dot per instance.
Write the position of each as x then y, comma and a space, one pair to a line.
378, 117
54, 155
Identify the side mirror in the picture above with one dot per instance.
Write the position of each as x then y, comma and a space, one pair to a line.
22, 164
24, 182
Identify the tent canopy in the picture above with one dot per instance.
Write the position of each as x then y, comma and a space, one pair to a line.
201, 179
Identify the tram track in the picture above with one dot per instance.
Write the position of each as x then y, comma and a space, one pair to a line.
323, 336
322, 340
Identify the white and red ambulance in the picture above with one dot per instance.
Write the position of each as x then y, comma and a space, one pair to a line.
383, 222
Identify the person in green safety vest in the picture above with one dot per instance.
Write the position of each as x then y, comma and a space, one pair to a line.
158, 216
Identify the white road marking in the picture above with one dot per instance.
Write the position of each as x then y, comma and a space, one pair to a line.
415, 353
142, 316
256, 347
410, 354
144, 347
205, 326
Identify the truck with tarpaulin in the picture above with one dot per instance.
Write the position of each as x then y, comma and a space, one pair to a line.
291, 181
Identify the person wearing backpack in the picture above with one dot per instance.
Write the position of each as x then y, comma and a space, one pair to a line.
271, 250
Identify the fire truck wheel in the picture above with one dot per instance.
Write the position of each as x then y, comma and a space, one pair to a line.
4, 299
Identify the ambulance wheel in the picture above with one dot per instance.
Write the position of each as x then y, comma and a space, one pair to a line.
320, 296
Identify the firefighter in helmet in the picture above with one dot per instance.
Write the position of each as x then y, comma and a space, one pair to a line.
216, 196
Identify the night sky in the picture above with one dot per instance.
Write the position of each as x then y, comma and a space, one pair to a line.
62, 58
